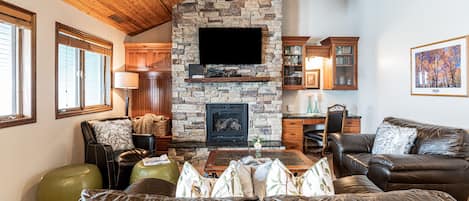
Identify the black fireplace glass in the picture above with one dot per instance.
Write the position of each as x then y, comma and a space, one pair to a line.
227, 123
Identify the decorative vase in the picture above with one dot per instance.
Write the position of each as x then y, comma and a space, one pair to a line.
258, 145
309, 110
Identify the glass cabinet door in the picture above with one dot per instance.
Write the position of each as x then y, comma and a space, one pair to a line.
344, 65
293, 65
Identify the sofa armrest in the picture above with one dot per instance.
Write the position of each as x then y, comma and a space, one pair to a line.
342, 144
102, 155
353, 143
145, 141
418, 162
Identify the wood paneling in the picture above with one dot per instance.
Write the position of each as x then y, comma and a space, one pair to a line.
153, 95
129, 16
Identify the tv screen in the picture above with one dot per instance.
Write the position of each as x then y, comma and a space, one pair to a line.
230, 45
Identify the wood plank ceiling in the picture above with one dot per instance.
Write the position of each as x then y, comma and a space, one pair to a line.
130, 16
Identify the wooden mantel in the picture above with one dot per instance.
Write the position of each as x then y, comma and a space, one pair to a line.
228, 79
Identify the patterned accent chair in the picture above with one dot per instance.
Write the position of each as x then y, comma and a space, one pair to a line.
115, 166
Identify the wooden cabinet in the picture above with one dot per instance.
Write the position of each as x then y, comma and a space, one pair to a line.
142, 57
292, 136
341, 73
162, 144
294, 52
292, 132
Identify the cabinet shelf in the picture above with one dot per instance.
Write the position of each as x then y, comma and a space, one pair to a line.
294, 51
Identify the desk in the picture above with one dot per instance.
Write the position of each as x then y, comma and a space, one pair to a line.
292, 133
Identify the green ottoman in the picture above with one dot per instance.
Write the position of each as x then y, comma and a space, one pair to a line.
168, 172
66, 183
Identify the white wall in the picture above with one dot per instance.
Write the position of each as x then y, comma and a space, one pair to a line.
159, 34
318, 19
388, 29
28, 152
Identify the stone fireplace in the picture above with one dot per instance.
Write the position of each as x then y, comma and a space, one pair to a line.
227, 124
262, 100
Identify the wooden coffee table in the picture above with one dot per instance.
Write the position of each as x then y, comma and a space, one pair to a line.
294, 160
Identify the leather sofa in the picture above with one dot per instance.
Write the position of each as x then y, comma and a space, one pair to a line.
353, 188
115, 166
439, 160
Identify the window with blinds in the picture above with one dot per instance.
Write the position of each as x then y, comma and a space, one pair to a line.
83, 71
17, 65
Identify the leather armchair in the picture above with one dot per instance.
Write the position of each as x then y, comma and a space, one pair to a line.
115, 166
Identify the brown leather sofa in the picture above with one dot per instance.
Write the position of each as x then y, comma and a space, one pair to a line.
439, 160
353, 188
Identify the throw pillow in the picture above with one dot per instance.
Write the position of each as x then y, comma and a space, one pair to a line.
192, 185
117, 133
228, 184
391, 139
245, 177
317, 181
259, 178
280, 181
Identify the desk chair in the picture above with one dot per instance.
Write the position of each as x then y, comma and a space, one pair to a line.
318, 139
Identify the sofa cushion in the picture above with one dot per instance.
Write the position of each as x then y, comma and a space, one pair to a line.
355, 184
391, 139
419, 162
433, 139
405, 195
357, 164
115, 195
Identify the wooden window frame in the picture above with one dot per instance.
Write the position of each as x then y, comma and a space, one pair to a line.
84, 42
24, 18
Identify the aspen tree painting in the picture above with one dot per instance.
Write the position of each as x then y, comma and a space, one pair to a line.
440, 68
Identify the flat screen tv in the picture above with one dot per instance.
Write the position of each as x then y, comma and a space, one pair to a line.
230, 45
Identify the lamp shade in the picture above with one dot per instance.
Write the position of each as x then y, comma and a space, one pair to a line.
125, 80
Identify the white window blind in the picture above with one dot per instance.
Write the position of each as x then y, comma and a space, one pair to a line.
69, 77
7, 70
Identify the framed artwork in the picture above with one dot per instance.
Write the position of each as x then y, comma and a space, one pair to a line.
312, 79
440, 69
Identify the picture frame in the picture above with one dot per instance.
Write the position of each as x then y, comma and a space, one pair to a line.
312, 79
440, 68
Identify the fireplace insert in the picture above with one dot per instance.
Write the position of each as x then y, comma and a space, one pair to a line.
227, 124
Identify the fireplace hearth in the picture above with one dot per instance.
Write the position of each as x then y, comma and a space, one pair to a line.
227, 123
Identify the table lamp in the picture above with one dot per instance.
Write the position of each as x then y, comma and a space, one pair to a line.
126, 80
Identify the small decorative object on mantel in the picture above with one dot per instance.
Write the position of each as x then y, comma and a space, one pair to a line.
440, 69
196, 71
212, 72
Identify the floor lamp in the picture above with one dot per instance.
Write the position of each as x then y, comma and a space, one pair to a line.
126, 81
